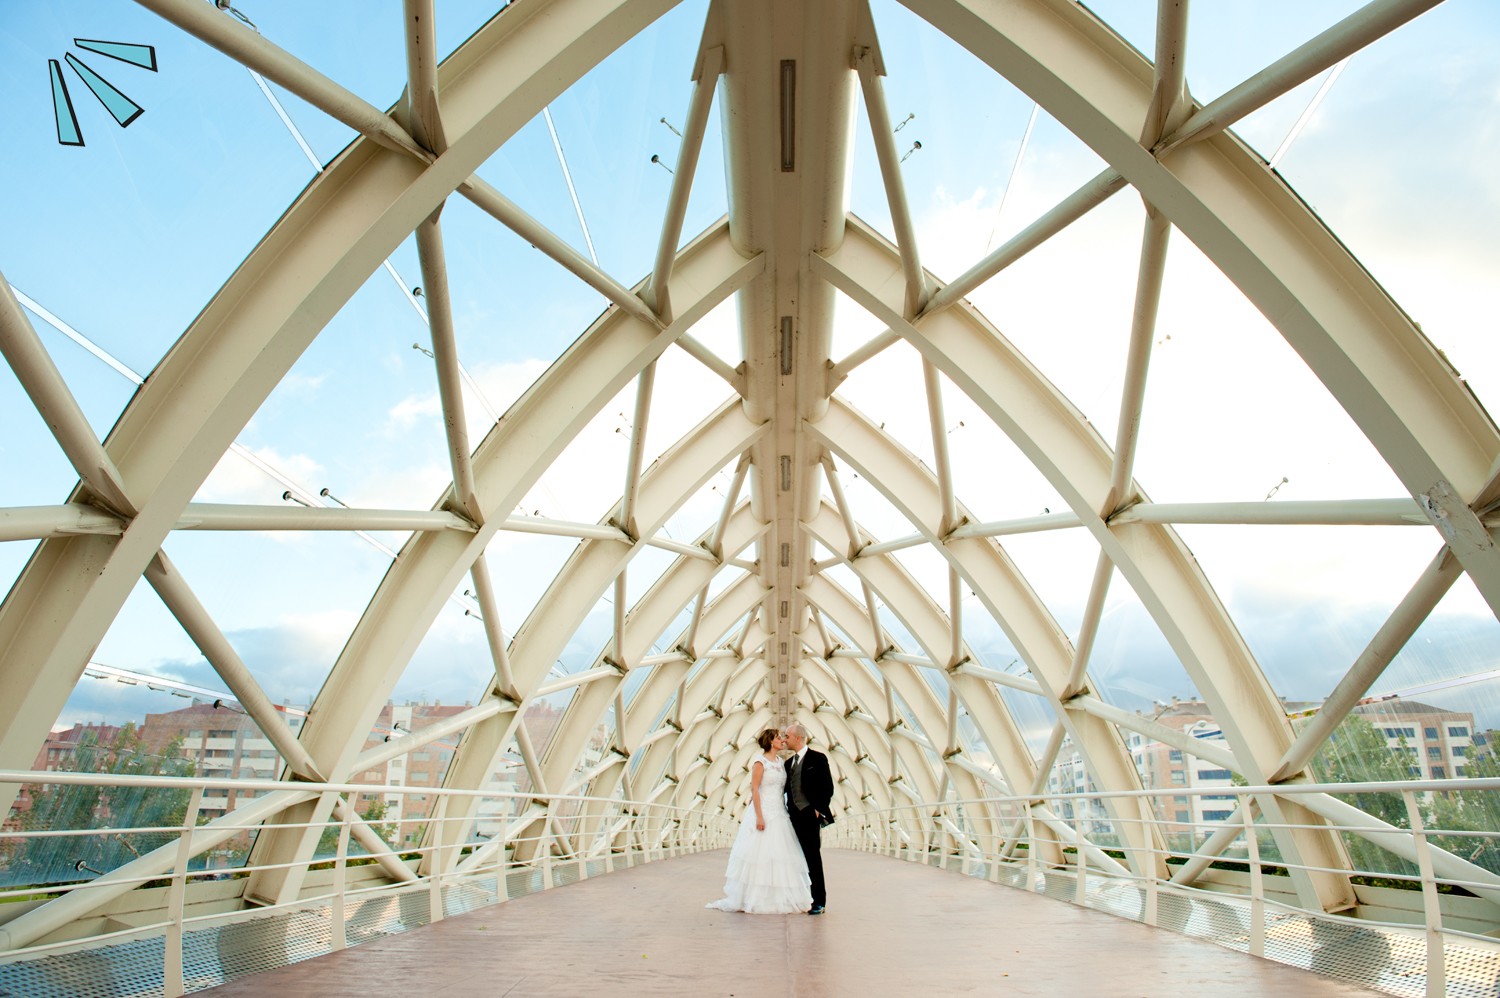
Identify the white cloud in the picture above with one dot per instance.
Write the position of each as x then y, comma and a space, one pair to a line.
236, 480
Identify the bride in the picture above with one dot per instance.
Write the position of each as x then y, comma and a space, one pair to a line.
767, 873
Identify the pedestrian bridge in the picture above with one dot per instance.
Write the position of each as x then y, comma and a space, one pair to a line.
633, 922
1130, 552
892, 926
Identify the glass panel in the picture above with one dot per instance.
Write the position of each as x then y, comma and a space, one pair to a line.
1307, 600
1059, 567
992, 479
696, 518
1132, 666
871, 510
288, 608
585, 482
895, 372
1210, 437
90, 748
519, 591
1038, 305
1419, 210
452, 664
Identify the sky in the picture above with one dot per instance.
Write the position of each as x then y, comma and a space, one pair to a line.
126, 239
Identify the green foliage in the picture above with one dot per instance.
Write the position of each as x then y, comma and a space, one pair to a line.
1357, 752
373, 813
1470, 810
64, 806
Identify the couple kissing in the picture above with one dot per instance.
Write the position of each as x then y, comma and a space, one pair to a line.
776, 862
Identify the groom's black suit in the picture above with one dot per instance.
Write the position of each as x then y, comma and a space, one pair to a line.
815, 781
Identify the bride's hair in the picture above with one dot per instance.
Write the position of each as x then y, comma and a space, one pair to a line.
766, 737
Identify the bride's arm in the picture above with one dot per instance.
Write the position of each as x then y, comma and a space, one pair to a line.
756, 772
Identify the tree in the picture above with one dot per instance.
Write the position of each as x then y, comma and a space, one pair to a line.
1471, 811
373, 813
62, 807
1357, 752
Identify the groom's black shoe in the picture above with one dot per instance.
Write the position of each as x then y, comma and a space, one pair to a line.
816, 909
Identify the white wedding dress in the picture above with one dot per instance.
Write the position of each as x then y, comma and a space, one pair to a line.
767, 872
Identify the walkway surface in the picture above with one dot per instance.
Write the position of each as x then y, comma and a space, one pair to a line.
892, 928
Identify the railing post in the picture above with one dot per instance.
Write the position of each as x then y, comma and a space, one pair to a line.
172, 982
1031, 860
338, 938
546, 846
436, 860
1080, 893
1257, 882
1437, 974
1148, 905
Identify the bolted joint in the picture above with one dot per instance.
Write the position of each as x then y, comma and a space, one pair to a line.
1069, 695
948, 535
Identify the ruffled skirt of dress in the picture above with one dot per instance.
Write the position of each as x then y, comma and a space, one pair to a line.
767, 873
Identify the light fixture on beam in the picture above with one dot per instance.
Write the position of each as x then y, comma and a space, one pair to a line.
788, 115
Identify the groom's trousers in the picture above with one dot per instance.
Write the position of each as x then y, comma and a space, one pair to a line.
810, 837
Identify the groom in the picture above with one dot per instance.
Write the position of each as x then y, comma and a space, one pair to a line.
809, 788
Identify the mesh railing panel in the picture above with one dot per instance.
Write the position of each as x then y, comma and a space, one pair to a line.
1383, 958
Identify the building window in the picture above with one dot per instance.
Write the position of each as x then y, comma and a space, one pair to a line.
1175, 755
1216, 815
1459, 750
1213, 774
1183, 817
221, 733
1177, 777
1439, 773
1459, 771
1415, 771
1430, 733
1433, 752
1458, 731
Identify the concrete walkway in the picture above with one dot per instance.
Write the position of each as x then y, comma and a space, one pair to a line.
892, 928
